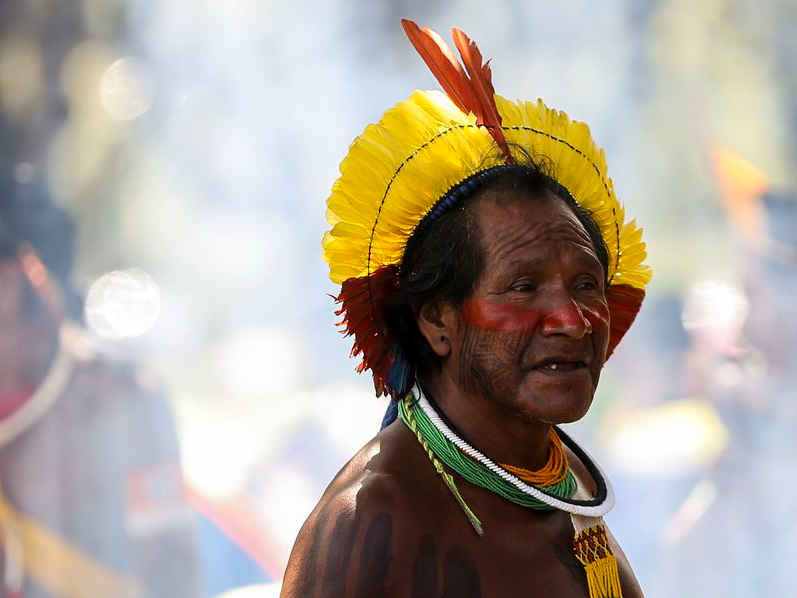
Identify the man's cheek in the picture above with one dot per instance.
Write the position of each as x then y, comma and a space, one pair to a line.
488, 352
599, 319
597, 315
501, 348
506, 318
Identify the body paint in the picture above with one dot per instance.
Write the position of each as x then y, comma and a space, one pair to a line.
340, 546
375, 558
307, 584
460, 576
513, 318
424, 569
500, 317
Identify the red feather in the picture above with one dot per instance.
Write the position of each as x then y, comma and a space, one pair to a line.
624, 303
474, 93
481, 81
443, 64
362, 305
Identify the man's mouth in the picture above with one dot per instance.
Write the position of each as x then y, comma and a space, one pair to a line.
561, 365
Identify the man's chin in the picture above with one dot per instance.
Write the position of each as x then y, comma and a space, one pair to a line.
555, 407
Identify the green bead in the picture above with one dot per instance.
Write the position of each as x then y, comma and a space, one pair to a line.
472, 470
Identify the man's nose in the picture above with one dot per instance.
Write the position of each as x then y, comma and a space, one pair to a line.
564, 316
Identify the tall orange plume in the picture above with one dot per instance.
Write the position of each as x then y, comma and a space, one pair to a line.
481, 79
472, 91
443, 64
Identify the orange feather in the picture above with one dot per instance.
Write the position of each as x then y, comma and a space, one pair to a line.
482, 84
444, 65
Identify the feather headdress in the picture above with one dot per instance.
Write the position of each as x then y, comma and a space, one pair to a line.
398, 170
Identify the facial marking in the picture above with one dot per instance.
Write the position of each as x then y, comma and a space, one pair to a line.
506, 318
535, 327
481, 356
516, 318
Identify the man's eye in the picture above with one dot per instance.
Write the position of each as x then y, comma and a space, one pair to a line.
523, 287
587, 285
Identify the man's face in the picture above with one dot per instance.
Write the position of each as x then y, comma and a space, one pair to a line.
535, 329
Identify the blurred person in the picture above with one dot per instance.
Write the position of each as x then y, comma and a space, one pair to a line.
91, 495
487, 272
770, 283
740, 518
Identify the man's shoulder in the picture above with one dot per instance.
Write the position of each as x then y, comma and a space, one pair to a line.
375, 505
390, 473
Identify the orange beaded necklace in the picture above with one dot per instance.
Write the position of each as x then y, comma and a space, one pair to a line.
554, 471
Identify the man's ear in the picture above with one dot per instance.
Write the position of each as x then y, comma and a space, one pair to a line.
438, 322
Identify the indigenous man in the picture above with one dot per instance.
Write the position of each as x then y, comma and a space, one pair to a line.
487, 272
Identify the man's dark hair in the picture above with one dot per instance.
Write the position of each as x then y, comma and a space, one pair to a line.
443, 258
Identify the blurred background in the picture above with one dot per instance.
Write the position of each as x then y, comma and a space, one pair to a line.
193, 145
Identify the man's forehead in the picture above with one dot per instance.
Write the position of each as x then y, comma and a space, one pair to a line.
514, 201
507, 217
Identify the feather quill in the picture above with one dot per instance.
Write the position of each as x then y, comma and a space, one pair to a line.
471, 88
444, 65
482, 85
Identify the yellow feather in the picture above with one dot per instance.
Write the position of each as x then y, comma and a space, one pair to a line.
399, 167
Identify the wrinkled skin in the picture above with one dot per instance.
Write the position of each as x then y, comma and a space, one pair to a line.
539, 303
524, 352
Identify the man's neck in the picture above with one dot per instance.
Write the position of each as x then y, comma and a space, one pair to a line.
499, 432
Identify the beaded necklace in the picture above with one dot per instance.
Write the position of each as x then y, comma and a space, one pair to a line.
437, 437
462, 459
554, 471
590, 543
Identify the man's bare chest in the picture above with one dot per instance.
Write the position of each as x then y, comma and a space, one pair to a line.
495, 569
521, 560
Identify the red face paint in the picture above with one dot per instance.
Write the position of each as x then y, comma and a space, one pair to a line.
501, 317
513, 318
538, 297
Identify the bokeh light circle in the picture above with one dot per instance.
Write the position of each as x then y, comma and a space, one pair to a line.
126, 89
123, 304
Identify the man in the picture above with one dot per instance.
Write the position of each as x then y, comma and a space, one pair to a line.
91, 497
486, 274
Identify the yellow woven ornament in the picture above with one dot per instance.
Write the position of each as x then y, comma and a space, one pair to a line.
592, 549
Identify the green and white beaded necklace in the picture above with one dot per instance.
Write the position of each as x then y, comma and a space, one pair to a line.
444, 446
